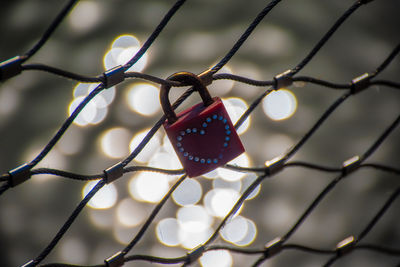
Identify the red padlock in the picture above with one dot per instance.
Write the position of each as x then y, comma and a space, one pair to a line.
203, 136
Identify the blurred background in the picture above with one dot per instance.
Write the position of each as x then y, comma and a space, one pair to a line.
98, 35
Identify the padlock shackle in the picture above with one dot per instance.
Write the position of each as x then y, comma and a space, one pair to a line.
186, 78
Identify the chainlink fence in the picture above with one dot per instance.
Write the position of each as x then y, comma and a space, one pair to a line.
317, 186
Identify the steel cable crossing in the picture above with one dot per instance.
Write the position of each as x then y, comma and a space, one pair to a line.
14, 66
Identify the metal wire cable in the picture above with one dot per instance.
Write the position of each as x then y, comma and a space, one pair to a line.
68, 223
155, 34
327, 36
367, 229
50, 30
153, 214
262, 172
245, 35
332, 185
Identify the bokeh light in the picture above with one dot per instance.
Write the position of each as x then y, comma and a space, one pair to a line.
148, 151
73, 251
149, 187
240, 231
235, 230
192, 238
130, 213
229, 175
105, 198
198, 204
280, 105
87, 114
194, 218
114, 142
211, 175
143, 98
85, 16
219, 202
247, 181
165, 160
221, 87
96, 110
216, 258
221, 183
167, 232
188, 192
236, 107
122, 50
250, 235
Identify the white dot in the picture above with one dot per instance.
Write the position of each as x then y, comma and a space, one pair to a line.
105, 97
235, 230
236, 107
129, 213
247, 181
216, 258
114, 142
211, 175
74, 251
250, 235
194, 218
188, 193
149, 187
148, 151
143, 99
86, 115
167, 232
82, 89
221, 183
219, 202
85, 16
105, 198
164, 160
123, 49
231, 175
280, 105
101, 114
222, 87
125, 41
191, 239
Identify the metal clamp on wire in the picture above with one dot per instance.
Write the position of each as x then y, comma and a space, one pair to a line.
360, 83
194, 255
114, 76
346, 245
273, 247
274, 165
206, 77
114, 172
19, 175
115, 260
10, 68
282, 80
350, 165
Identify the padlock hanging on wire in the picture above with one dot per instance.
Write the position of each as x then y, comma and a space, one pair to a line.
203, 136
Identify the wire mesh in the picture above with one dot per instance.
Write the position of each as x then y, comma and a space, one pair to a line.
324, 222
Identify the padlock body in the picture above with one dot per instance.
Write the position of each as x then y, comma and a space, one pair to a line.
204, 138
